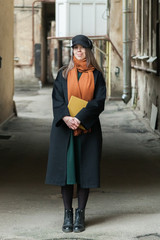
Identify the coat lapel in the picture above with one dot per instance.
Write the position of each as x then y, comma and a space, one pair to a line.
64, 85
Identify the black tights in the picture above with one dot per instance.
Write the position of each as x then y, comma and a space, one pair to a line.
67, 194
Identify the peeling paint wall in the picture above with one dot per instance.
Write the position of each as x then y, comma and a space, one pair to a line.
7, 54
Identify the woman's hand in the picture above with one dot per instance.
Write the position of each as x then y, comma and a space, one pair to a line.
72, 122
77, 120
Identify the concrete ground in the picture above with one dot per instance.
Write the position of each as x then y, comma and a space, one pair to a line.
126, 207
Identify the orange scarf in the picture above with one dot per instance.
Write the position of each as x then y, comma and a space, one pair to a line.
82, 88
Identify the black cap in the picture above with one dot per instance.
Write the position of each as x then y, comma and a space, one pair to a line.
82, 40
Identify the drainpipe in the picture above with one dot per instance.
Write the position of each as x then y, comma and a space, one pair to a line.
126, 54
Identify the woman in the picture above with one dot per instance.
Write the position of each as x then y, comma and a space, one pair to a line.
74, 154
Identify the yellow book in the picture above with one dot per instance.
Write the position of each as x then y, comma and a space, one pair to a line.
75, 105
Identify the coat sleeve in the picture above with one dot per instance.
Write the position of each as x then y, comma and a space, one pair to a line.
89, 115
60, 108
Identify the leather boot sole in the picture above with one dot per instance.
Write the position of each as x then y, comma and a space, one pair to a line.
67, 230
77, 230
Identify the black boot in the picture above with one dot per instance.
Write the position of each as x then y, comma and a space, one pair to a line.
68, 221
79, 225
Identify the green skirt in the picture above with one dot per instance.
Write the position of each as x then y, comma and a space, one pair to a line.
73, 160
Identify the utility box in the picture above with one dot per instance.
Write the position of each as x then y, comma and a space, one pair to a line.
81, 17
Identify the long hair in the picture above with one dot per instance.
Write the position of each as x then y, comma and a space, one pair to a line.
90, 61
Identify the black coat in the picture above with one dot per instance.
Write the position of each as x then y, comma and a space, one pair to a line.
91, 143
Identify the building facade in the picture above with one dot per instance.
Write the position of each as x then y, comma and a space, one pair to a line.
32, 26
25, 38
145, 59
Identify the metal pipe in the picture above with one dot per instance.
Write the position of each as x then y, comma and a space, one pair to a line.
26, 7
149, 70
104, 53
108, 65
126, 54
22, 65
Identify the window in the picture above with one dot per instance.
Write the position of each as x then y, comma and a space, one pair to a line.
158, 37
147, 42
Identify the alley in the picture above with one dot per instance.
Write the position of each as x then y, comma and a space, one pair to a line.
127, 206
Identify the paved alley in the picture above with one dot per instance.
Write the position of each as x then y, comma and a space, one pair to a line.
126, 207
